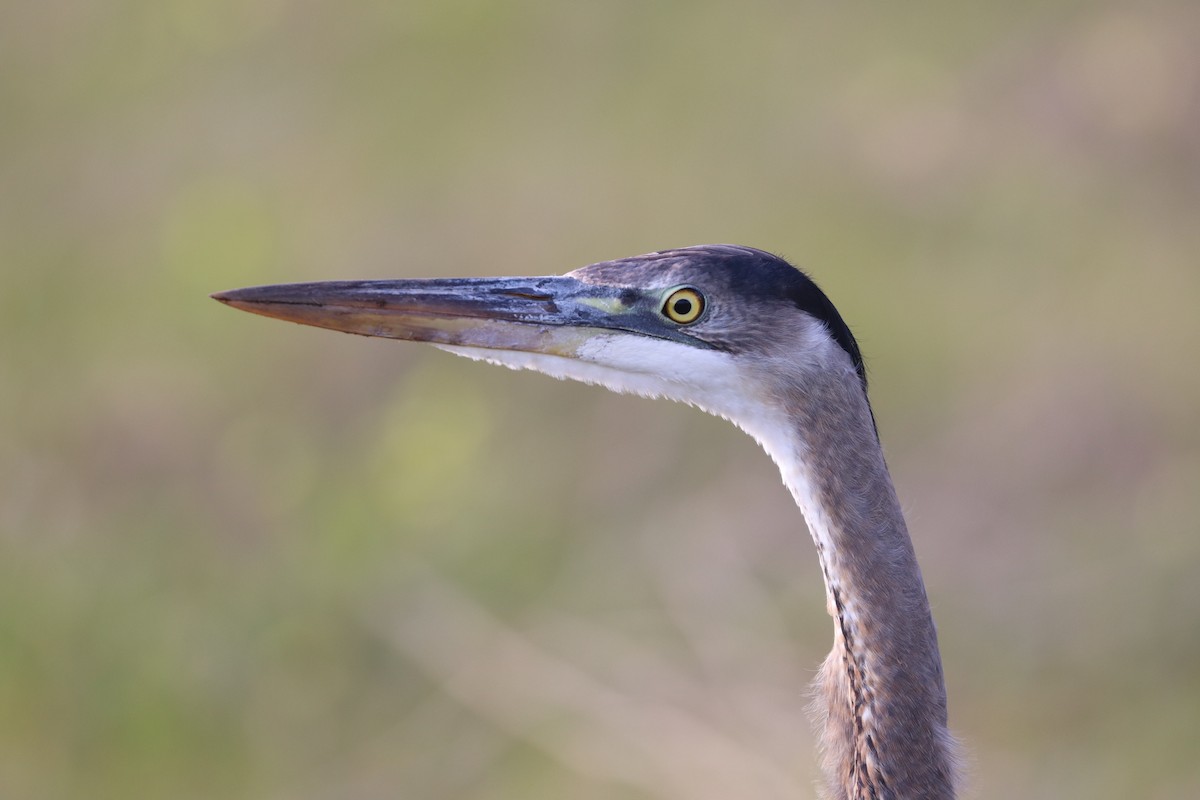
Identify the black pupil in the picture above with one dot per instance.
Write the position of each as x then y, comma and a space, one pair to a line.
683, 306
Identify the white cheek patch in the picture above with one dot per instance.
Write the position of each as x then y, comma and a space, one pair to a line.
565, 368
560, 367
683, 373
638, 365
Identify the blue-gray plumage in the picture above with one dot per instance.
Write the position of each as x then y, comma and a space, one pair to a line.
742, 334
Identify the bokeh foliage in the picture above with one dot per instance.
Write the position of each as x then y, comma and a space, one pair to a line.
240, 559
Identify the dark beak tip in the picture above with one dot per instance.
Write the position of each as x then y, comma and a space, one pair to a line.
234, 297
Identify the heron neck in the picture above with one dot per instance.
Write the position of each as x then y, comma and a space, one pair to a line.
881, 696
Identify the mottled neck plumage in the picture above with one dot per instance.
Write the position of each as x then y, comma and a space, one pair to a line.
881, 698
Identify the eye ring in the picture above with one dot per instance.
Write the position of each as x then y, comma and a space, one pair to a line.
683, 306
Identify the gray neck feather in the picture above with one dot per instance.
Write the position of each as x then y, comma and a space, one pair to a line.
880, 697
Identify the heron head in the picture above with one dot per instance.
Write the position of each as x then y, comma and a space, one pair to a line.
699, 324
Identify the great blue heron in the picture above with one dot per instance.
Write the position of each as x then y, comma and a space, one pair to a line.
742, 334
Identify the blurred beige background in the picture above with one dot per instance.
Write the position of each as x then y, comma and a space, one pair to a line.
241, 559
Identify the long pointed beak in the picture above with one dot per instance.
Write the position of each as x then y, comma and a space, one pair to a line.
545, 315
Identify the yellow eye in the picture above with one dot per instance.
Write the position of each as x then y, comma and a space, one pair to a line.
684, 306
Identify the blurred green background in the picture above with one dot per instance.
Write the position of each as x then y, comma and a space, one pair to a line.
241, 559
